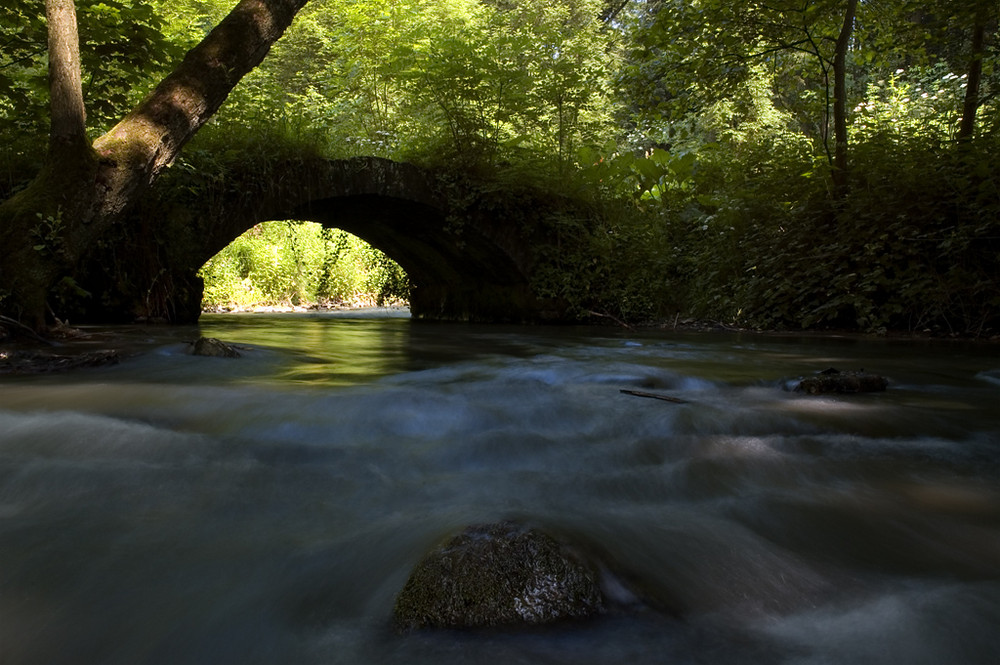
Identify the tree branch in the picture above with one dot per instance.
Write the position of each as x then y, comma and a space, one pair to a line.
23, 58
611, 11
824, 67
23, 329
793, 46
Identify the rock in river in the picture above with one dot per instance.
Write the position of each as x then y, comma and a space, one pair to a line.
209, 346
834, 381
498, 575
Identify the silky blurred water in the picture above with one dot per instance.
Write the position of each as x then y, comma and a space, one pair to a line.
178, 509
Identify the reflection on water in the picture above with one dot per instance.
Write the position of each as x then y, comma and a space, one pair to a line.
352, 351
175, 509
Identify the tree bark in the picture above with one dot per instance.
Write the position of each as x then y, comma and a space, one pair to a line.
68, 117
33, 249
82, 191
840, 150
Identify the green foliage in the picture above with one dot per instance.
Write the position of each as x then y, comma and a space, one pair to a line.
724, 150
919, 103
300, 263
519, 77
23, 75
610, 261
439, 80
48, 234
122, 51
225, 161
912, 248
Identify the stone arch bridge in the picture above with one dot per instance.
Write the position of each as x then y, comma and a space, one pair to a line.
469, 255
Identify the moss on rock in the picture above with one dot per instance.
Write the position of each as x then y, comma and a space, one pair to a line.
498, 575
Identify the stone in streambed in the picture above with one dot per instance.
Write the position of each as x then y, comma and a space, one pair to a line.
834, 381
213, 348
500, 574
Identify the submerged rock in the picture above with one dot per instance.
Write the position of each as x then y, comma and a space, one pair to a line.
497, 575
834, 381
213, 348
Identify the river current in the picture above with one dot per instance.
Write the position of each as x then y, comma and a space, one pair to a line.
268, 509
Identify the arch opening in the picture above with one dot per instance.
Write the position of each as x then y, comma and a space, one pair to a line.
460, 266
291, 264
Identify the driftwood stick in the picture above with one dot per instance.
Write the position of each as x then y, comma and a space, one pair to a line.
609, 316
24, 330
665, 398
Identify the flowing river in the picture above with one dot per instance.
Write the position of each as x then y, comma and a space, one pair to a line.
178, 509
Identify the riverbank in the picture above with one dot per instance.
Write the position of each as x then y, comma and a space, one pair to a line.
705, 325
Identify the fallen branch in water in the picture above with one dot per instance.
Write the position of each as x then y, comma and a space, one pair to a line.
609, 316
19, 327
29, 362
665, 398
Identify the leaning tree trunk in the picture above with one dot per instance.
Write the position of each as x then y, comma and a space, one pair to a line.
82, 190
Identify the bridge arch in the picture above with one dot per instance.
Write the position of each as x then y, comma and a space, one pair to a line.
463, 263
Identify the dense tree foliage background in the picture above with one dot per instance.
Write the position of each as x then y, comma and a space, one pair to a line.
816, 163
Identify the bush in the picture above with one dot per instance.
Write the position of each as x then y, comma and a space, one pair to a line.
914, 246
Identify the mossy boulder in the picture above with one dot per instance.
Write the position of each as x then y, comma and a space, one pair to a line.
501, 574
213, 348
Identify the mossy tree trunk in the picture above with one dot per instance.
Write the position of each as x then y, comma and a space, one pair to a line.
84, 188
32, 245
